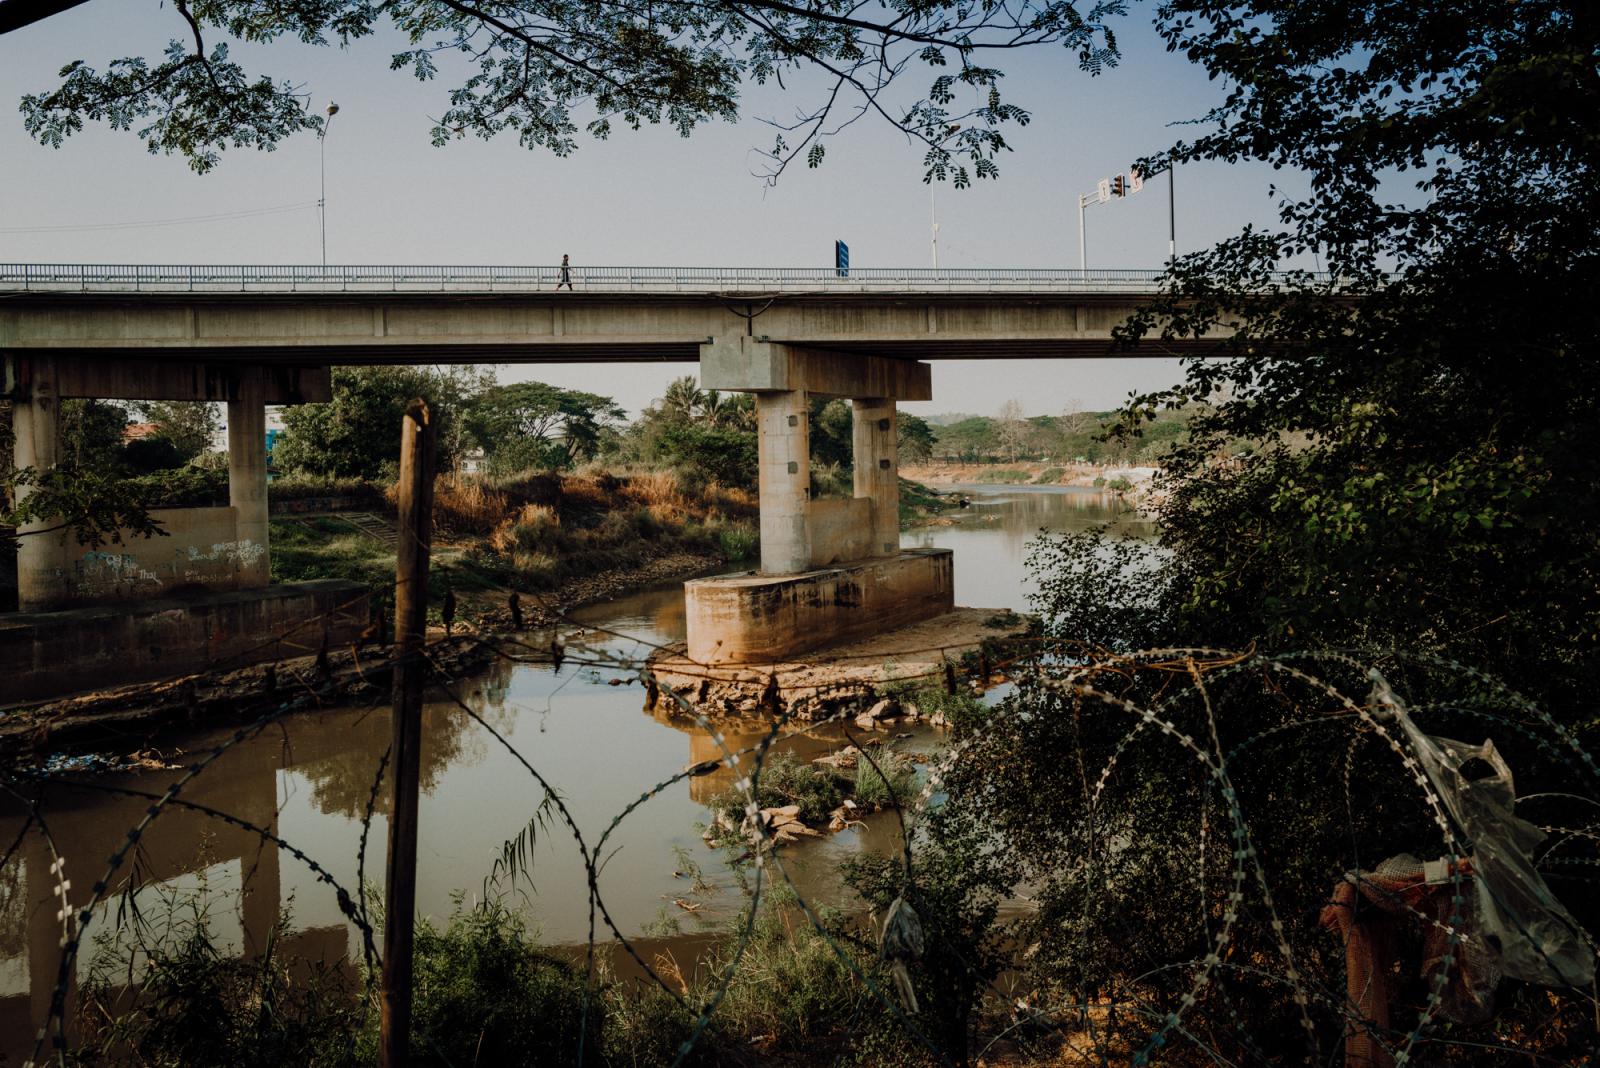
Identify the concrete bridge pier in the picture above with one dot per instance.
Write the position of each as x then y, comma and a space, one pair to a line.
35, 421
783, 442
831, 570
876, 455
247, 481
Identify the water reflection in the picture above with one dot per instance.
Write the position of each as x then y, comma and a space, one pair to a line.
990, 539
309, 780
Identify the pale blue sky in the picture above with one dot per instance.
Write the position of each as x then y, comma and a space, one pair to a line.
641, 198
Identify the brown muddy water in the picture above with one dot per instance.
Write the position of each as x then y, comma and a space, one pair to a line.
309, 780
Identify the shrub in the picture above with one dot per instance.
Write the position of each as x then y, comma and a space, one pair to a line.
535, 528
785, 780
194, 1004
739, 542
1050, 476
465, 505
485, 994
182, 487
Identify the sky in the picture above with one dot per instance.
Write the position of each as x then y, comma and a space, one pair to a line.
645, 198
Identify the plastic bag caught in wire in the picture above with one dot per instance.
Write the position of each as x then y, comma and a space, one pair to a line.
1525, 929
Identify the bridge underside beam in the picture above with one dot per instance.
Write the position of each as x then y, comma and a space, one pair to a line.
144, 378
748, 365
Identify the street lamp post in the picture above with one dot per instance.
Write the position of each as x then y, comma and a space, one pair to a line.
322, 169
1172, 215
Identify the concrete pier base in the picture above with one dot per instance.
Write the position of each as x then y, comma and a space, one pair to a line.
845, 678
754, 619
47, 654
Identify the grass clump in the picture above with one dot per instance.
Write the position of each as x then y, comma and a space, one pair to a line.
164, 992
486, 994
1050, 476
893, 782
318, 547
784, 780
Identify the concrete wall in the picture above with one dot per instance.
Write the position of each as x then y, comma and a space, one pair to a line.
202, 548
840, 530
760, 619
44, 654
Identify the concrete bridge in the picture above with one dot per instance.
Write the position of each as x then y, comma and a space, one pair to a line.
252, 336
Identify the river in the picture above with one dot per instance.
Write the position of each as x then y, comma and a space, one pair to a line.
309, 780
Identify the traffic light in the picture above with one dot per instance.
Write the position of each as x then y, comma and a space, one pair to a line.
1119, 186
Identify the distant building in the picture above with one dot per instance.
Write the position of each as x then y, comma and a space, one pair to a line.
140, 431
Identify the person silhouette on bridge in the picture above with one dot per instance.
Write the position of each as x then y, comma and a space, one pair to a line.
566, 273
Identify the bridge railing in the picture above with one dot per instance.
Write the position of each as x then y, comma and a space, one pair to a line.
422, 278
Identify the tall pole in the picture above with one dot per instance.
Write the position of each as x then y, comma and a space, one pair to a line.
1172, 214
1083, 254
322, 172
933, 223
410, 622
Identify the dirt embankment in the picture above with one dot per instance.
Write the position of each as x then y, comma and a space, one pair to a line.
123, 722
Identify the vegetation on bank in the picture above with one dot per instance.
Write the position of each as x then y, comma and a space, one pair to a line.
488, 992
1074, 436
532, 532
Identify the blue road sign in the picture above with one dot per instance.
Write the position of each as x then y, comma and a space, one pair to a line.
841, 258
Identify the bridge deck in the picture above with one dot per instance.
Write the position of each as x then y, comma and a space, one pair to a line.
421, 314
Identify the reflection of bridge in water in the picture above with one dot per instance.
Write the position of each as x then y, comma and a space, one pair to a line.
334, 753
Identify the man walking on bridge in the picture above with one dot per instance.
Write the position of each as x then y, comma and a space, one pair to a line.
566, 273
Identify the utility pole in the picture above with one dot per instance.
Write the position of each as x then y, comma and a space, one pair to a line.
933, 221
322, 171
417, 434
1172, 214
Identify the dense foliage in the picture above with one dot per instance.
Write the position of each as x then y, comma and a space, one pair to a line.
534, 426
1425, 469
1396, 458
538, 71
357, 433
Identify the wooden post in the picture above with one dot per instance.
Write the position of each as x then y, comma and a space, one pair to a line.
410, 670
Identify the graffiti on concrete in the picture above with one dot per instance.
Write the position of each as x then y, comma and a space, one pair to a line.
125, 574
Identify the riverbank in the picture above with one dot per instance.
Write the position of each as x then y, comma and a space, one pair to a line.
1030, 473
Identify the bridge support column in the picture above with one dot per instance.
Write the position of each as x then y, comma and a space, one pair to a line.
247, 480
784, 476
41, 557
877, 469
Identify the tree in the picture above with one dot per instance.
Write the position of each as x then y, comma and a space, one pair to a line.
683, 400
914, 437
969, 439
531, 424
1074, 419
357, 433
1011, 429
536, 71
728, 411
833, 433
1420, 423
188, 426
